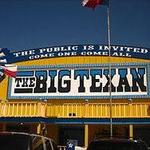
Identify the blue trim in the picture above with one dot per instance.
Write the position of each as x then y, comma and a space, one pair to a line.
25, 68
148, 77
123, 121
9, 87
23, 73
78, 97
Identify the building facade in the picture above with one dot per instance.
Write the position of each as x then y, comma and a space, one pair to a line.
64, 92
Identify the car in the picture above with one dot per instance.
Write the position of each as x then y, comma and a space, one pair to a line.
117, 144
25, 141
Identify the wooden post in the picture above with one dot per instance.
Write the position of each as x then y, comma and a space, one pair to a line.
86, 135
131, 131
39, 128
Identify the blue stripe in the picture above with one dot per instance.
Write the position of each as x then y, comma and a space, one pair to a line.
123, 121
25, 73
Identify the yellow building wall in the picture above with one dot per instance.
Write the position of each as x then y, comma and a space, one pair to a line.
68, 61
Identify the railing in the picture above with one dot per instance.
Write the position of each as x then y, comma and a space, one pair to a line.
98, 110
62, 147
22, 109
74, 110
76, 148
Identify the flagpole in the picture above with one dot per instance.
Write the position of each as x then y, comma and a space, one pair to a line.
109, 55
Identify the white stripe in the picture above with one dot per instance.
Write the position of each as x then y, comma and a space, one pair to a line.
84, 2
11, 67
2, 54
3, 61
1, 73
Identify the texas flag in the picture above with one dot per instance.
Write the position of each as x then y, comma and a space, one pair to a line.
10, 70
93, 3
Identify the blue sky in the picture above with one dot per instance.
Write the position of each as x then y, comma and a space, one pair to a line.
27, 24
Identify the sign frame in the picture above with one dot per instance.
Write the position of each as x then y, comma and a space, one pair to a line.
76, 66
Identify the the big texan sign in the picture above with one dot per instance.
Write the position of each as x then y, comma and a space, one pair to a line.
81, 81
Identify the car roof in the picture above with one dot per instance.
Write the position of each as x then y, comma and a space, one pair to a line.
115, 140
22, 133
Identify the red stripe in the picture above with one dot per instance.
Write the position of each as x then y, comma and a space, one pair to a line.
94, 3
100, 1
10, 73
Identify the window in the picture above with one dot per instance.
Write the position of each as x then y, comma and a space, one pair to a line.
48, 145
14, 142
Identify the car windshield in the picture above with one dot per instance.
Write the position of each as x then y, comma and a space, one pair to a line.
116, 146
14, 142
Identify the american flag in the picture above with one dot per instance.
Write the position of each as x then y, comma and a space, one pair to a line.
5, 68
